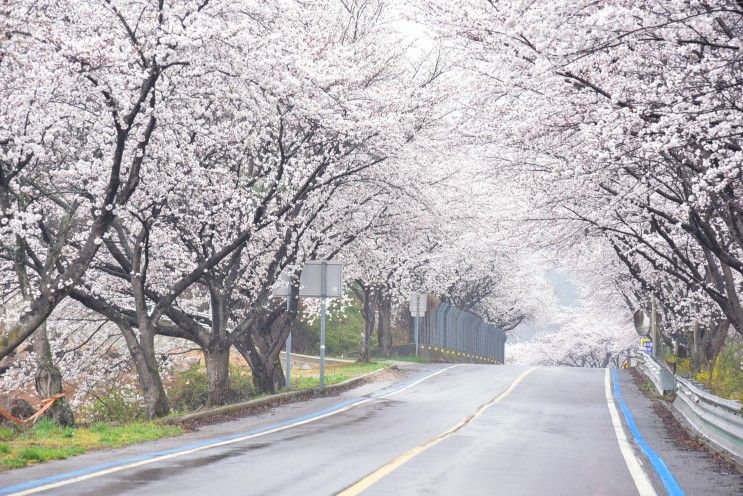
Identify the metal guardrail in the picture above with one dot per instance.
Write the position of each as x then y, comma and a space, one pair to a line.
718, 420
660, 376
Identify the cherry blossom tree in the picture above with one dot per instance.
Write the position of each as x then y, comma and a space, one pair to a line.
620, 115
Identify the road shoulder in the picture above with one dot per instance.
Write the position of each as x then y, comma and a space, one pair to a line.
695, 468
256, 420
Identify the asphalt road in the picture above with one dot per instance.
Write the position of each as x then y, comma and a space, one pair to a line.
470, 429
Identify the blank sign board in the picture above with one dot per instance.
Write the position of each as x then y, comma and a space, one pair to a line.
320, 279
418, 303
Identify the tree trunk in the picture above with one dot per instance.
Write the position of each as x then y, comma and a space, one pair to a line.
384, 326
279, 379
714, 338
49, 379
369, 313
148, 373
697, 357
261, 340
217, 358
267, 378
264, 357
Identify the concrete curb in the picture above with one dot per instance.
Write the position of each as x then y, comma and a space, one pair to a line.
446, 355
275, 399
316, 359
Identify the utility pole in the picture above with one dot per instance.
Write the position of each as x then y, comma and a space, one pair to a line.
654, 326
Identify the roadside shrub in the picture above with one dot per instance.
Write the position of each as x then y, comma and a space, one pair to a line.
7, 433
241, 384
188, 389
684, 367
724, 377
115, 404
344, 331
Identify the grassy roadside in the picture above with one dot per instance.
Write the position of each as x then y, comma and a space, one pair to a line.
48, 441
410, 358
722, 376
333, 375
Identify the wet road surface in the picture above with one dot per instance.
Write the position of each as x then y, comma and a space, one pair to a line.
550, 432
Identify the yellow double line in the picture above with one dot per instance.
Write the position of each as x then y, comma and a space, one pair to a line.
386, 469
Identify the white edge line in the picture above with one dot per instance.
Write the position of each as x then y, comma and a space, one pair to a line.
642, 482
111, 470
392, 393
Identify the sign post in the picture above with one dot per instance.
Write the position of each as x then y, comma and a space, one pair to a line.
323, 295
288, 375
320, 279
283, 288
418, 302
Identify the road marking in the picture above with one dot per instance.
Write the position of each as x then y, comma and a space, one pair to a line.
670, 484
383, 471
64, 479
415, 383
642, 482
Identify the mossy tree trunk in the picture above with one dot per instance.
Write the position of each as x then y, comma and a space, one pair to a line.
48, 379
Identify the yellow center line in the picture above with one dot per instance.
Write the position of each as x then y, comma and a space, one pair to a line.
386, 469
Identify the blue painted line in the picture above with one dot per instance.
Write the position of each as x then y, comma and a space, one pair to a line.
156, 454
672, 487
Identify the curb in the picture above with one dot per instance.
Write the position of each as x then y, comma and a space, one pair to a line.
316, 359
477, 359
275, 399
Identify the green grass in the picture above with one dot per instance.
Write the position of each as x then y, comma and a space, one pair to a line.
6, 433
48, 441
410, 358
648, 388
334, 375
